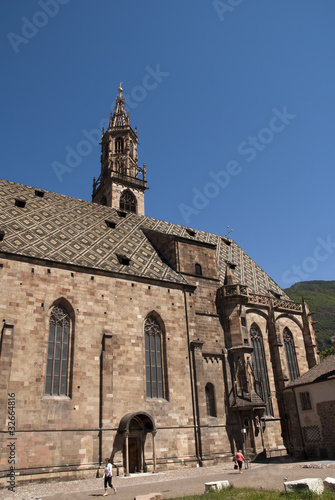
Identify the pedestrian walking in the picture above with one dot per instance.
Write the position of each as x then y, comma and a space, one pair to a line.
239, 459
108, 476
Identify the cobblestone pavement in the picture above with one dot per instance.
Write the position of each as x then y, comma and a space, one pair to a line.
171, 484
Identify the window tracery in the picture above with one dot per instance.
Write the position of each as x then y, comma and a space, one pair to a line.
153, 358
58, 352
290, 354
128, 201
259, 363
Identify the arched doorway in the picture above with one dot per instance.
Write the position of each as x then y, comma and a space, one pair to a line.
135, 427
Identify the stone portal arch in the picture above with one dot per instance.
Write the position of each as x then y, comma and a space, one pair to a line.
134, 427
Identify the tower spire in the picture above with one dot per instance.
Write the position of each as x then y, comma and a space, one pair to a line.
119, 117
122, 181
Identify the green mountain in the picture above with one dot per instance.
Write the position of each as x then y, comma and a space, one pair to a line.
320, 298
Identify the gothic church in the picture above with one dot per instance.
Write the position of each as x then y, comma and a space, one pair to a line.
126, 336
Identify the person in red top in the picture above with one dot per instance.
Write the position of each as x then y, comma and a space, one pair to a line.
239, 458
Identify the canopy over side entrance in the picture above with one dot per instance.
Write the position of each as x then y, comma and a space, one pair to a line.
135, 426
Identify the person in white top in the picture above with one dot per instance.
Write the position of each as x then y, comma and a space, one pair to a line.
108, 476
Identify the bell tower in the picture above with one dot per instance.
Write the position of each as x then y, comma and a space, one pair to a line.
122, 182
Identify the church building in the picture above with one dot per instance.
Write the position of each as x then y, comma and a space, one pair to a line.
155, 344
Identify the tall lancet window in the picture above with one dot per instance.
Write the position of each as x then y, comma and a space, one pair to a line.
128, 201
131, 148
154, 358
290, 354
198, 269
210, 400
58, 352
119, 144
259, 364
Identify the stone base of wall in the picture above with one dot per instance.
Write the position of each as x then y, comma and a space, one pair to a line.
41, 474
276, 452
208, 461
70, 473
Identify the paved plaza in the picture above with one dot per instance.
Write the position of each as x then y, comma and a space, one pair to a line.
188, 481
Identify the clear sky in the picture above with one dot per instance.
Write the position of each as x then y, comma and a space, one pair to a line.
233, 100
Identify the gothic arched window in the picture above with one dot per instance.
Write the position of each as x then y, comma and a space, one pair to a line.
58, 352
119, 145
198, 269
131, 148
290, 354
128, 201
210, 400
153, 358
259, 364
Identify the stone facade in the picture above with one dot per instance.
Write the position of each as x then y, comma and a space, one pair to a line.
311, 403
171, 344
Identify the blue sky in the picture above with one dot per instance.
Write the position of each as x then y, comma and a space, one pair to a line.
233, 100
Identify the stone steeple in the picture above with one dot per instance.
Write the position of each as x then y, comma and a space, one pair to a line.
120, 118
122, 181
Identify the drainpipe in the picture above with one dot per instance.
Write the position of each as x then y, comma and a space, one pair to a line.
197, 410
101, 394
301, 435
196, 436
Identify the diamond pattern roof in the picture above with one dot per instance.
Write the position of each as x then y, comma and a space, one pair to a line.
67, 230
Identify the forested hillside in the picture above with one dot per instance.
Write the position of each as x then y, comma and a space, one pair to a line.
320, 297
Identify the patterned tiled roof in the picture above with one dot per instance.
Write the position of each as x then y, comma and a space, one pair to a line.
67, 230
249, 400
319, 373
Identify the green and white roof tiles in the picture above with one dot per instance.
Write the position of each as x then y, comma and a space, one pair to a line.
67, 230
